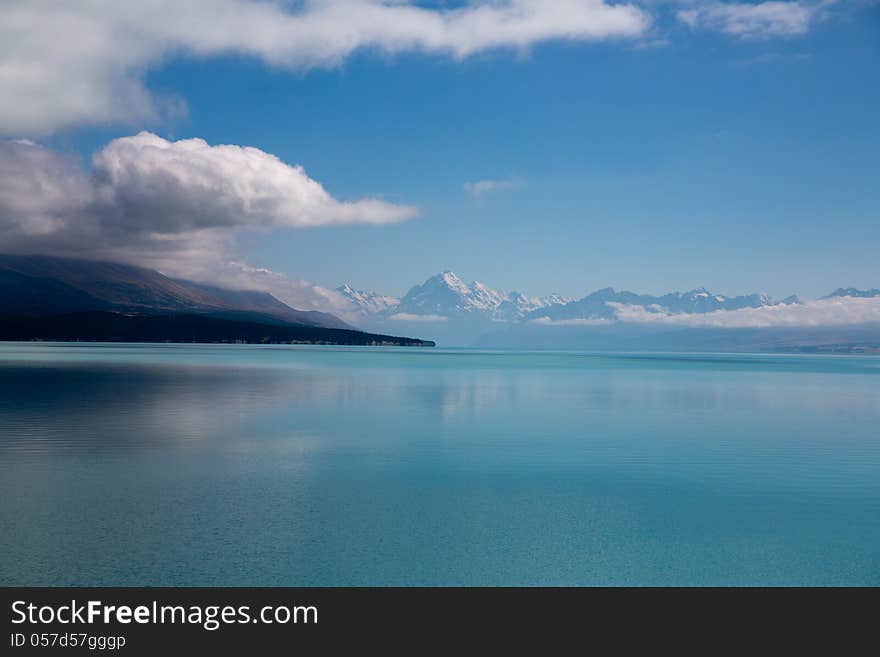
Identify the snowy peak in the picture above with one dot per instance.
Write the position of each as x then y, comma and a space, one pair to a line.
439, 295
368, 303
448, 295
697, 293
484, 297
451, 280
553, 299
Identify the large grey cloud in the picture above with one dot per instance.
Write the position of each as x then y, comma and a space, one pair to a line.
68, 63
39, 190
177, 206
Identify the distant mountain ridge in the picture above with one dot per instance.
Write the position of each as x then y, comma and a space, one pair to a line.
853, 292
597, 304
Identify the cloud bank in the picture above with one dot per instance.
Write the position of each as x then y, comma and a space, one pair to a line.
837, 311
71, 63
828, 311
175, 206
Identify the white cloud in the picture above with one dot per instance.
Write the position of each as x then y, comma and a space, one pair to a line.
70, 63
410, 317
837, 311
179, 207
173, 187
748, 20
479, 187
689, 17
577, 321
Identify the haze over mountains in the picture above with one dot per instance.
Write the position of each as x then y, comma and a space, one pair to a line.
854, 293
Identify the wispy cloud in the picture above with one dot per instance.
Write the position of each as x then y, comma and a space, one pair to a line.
409, 317
478, 188
546, 321
95, 72
753, 20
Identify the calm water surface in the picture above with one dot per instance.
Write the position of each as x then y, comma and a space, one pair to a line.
238, 465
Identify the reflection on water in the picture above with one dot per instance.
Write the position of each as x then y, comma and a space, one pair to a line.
248, 465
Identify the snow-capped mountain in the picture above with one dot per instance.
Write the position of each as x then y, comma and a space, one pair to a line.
452, 312
517, 305
447, 298
602, 304
368, 303
445, 295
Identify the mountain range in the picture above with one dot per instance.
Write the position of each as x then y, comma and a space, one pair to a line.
455, 312
65, 298
446, 296
43, 297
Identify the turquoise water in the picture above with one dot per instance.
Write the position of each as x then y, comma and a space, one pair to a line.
240, 465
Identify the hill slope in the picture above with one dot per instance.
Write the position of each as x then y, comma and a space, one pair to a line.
45, 285
64, 299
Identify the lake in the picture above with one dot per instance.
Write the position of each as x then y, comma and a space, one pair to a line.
279, 465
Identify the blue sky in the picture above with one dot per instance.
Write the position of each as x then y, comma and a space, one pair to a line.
687, 158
